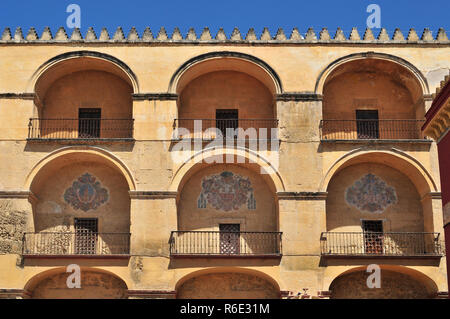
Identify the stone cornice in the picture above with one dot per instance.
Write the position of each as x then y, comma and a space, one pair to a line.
155, 96
152, 194
438, 116
21, 96
298, 96
221, 37
432, 195
19, 194
302, 195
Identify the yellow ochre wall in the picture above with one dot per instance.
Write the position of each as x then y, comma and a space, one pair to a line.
305, 164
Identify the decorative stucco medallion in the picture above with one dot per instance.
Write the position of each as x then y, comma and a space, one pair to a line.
371, 194
86, 193
226, 191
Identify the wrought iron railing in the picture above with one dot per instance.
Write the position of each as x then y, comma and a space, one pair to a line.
407, 244
221, 243
69, 243
371, 129
39, 128
216, 128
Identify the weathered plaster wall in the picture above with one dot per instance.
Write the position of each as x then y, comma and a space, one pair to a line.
227, 286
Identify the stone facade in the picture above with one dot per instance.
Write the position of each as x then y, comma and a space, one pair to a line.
141, 87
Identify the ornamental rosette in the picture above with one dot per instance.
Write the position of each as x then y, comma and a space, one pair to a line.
371, 194
226, 191
86, 193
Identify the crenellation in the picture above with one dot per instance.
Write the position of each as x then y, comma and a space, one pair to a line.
251, 35
61, 35
32, 35
280, 36
442, 36
265, 35
383, 36
427, 35
412, 36
236, 36
90, 35
324, 35
206, 35
119, 36
221, 36
354, 35
133, 35
162, 35
295, 35
191, 35
176, 34
368, 35
147, 36
398, 36
46, 35
76, 35
18, 35
6, 35
104, 36
339, 36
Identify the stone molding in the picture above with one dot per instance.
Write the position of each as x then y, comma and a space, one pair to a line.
221, 37
155, 96
152, 194
298, 96
302, 195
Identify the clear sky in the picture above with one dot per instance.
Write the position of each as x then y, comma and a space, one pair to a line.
228, 14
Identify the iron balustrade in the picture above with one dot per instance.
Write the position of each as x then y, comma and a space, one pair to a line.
221, 243
217, 128
406, 244
371, 129
71, 243
83, 128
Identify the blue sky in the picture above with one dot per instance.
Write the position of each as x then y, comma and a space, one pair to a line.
228, 14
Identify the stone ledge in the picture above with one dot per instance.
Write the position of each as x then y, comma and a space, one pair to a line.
152, 194
302, 195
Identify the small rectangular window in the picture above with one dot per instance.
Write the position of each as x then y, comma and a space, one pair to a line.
86, 232
367, 124
229, 238
89, 122
227, 118
373, 236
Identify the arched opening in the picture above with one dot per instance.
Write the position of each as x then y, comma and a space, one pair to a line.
227, 284
376, 205
227, 209
395, 283
372, 97
226, 91
94, 284
81, 206
83, 95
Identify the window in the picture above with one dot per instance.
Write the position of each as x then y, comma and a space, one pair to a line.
86, 232
229, 238
89, 123
367, 124
373, 236
227, 118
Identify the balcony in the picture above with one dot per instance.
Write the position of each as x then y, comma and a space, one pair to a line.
78, 245
375, 244
80, 129
335, 130
208, 129
225, 244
